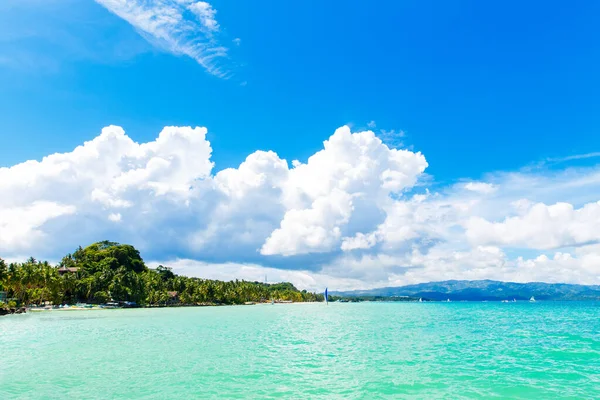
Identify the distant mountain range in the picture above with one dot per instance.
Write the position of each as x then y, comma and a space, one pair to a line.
482, 290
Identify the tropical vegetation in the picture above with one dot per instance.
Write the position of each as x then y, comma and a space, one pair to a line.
108, 271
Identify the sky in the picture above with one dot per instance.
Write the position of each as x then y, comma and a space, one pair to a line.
338, 144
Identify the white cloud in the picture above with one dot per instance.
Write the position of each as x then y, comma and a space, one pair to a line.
114, 217
167, 185
490, 262
371, 124
392, 137
352, 216
540, 227
237, 41
206, 14
310, 230
166, 24
573, 157
445, 263
322, 195
108, 175
480, 187
579, 267
21, 225
359, 241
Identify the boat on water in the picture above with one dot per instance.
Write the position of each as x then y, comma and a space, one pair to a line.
448, 301
420, 300
532, 299
504, 301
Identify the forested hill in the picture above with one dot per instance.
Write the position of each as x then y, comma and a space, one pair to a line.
484, 290
108, 271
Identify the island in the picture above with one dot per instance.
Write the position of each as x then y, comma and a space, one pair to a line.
112, 275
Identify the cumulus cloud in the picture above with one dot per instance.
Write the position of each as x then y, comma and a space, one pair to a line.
182, 27
20, 226
166, 189
580, 266
444, 262
540, 227
359, 241
105, 180
352, 216
321, 195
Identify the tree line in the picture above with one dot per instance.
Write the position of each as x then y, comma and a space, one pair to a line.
108, 271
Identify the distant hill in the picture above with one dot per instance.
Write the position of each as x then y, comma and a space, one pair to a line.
484, 290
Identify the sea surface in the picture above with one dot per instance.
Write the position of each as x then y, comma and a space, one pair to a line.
542, 350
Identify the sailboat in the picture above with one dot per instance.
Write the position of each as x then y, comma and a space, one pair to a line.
326, 297
532, 299
420, 300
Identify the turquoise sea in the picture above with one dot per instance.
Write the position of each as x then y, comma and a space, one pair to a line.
519, 350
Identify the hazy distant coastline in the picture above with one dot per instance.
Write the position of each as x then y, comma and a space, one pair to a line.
481, 290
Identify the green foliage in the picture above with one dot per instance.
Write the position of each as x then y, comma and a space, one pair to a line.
3, 273
100, 297
106, 255
106, 271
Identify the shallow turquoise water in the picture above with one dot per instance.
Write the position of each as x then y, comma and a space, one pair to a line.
295, 351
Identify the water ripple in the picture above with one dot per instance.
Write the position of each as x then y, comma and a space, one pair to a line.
306, 351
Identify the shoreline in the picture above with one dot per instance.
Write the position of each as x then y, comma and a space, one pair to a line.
25, 310
10, 311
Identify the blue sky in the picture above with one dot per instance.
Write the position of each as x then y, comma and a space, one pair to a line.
502, 85
495, 93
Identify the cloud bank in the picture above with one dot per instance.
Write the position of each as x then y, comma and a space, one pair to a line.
356, 214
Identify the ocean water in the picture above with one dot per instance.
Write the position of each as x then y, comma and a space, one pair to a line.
523, 350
